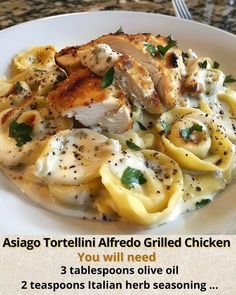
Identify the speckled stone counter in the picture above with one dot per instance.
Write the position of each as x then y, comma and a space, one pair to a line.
218, 13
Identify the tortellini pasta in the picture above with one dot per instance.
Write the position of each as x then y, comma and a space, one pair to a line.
26, 128
37, 57
73, 157
229, 96
156, 198
195, 140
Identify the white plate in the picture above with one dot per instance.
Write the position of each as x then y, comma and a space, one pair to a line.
18, 215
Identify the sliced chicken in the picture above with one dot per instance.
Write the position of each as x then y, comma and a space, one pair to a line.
130, 75
134, 78
172, 69
82, 97
166, 73
68, 59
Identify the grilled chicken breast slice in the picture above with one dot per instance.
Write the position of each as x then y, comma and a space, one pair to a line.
82, 97
137, 83
130, 75
68, 59
166, 72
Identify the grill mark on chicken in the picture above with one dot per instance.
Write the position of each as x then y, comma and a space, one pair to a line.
173, 60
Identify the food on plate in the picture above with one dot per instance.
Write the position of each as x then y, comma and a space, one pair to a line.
125, 127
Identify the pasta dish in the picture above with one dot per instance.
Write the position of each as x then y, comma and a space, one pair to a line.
125, 127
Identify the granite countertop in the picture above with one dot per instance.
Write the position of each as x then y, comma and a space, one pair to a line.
218, 13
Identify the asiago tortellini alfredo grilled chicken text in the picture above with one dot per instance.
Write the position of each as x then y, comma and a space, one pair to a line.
125, 127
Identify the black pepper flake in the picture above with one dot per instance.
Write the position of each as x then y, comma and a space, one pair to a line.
104, 217
198, 189
81, 148
150, 125
73, 166
173, 60
218, 162
168, 187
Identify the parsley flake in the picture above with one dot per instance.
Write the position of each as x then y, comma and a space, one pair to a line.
229, 79
120, 30
202, 203
215, 65
141, 126
203, 65
132, 146
132, 176
151, 48
166, 126
18, 87
163, 49
21, 132
185, 133
108, 78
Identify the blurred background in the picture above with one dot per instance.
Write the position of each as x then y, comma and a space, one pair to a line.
218, 13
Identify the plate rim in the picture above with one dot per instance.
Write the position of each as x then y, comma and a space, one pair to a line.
51, 17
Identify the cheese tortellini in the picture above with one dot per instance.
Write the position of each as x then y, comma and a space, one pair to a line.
152, 199
73, 157
37, 57
195, 140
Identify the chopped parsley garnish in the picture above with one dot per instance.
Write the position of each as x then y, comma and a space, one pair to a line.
18, 87
132, 146
185, 56
120, 30
185, 133
154, 50
163, 49
151, 48
61, 77
141, 126
229, 79
166, 126
132, 176
215, 65
203, 65
202, 203
21, 132
108, 78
